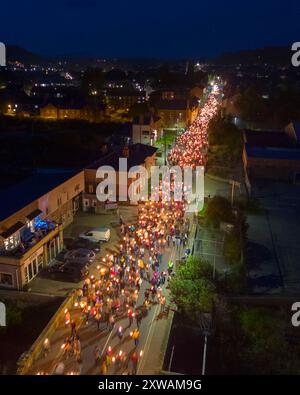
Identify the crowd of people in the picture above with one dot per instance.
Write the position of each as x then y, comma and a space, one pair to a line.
109, 297
115, 294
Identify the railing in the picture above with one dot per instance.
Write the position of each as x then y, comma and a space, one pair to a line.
29, 242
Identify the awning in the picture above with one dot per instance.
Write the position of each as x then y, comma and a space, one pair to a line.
13, 229
34, 214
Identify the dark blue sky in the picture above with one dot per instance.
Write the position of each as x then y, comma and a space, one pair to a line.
148, 28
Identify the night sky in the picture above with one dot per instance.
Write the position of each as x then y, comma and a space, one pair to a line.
157, 28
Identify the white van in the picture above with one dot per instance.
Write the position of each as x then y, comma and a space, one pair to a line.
96, 234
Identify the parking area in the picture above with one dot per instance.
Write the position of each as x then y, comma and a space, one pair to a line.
84, 222
273, 249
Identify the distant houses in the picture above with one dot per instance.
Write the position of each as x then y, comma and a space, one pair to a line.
73, 110
123, 98
176, 108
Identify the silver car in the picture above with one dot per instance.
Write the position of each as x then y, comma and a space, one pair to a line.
80, 255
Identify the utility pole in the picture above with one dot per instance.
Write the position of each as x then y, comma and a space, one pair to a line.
204, 355
205, 324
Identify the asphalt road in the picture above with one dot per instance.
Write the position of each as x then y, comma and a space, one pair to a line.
90, 337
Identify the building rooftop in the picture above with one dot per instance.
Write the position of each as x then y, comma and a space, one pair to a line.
123, 92
18, 196
273, 152
145, 119
137, 156
74, 103
172, 105
267, 139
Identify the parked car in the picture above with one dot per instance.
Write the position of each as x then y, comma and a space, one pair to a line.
80, 255
96, 234
73, 244
66, 272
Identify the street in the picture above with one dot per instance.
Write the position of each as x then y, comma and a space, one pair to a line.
114, 325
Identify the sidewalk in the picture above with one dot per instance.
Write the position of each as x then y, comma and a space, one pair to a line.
158, 335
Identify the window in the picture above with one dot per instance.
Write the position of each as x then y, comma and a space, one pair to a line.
91, 188
40, 261
12, 242
59, 201
6, 279
30, 225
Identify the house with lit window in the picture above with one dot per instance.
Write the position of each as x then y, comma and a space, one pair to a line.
176, 113
118, 98
33, 214
73, 109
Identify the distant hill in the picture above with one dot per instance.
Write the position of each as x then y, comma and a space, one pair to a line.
16, 53
270, 55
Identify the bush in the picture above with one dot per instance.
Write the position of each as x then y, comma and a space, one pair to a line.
191, 288
218, 210
232, 248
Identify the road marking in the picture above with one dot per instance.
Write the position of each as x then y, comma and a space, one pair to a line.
106, 342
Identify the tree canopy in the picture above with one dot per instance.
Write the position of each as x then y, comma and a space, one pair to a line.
191, 288
218, 210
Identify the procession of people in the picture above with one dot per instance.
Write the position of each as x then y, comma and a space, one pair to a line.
114, 294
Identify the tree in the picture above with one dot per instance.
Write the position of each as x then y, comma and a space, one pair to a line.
137, 109
265, 344
227, 138
251, 104
191, 289
218, 210
232, 248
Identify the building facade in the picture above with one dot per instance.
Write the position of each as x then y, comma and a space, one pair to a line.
72, 112
271, 155
32, 222
123, 99
146, 129
136, 154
